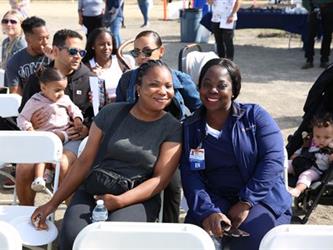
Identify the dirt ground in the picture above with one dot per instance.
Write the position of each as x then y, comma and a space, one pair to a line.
270, 70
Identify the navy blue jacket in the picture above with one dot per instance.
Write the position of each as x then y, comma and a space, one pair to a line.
259, 151
186, 97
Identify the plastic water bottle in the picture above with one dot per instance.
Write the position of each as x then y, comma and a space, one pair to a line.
100, 213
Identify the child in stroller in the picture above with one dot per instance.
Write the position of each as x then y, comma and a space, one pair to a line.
310, 161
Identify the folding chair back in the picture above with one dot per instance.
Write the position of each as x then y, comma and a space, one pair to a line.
9, 237
30, 148
288, 237
139, 235
9, 104
191, 59
2, 77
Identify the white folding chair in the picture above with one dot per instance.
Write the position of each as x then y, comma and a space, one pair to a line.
31, 147
9, 104
10, 238
2, 77
296, 237
140, 235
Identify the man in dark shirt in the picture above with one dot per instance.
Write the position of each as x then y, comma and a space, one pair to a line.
67, 52
25, 62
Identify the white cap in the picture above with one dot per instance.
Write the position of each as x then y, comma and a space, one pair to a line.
100, 202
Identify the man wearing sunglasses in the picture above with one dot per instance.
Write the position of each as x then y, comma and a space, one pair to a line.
67, 52
25, 62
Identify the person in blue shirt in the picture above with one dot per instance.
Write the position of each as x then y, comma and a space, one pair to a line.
148, 46
233, 161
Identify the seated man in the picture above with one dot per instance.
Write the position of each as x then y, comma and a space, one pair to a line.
67, 52
25, 62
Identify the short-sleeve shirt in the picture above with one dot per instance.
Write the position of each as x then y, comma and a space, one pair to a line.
21, 66
135, 145
9, 48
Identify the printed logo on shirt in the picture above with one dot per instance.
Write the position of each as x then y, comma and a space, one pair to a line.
26, 70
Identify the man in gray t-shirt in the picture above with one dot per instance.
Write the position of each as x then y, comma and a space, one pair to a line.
26, 62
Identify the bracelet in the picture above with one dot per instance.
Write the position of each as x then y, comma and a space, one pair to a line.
66, 139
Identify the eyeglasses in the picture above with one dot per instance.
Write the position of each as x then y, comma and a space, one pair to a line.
75, 51
5, 21
145, 52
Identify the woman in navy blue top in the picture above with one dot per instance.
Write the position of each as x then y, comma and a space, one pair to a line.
232, 164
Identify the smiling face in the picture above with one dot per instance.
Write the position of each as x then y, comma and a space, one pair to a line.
54, 90
64, 58
37, 40
147, 43
216, 89
11, 25
156, 89
103, 46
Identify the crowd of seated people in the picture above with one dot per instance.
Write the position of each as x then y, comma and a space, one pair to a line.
153, 126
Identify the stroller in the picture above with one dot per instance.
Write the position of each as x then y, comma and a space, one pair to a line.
191, 59
320, 192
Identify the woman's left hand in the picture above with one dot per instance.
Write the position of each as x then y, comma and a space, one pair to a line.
111, 202
238, 213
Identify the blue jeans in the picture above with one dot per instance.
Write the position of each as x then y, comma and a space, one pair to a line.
144, 6
115, 30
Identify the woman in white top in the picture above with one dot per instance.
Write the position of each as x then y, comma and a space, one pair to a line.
102, 60
223, 24
11, 26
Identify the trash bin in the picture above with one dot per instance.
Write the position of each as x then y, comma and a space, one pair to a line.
189, 24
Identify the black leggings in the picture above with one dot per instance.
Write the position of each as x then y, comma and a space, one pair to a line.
224, 41
92, 22
78, 215
172, 196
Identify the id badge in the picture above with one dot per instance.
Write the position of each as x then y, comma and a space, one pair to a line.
197, 159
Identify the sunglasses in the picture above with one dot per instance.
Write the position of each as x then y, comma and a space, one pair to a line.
75, 51
5, 21
145, 52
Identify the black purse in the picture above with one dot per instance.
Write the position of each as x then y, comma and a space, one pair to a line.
103, 180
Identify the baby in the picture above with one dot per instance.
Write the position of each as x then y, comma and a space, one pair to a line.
309, 162
62, 113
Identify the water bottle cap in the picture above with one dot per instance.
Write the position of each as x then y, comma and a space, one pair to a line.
100, 202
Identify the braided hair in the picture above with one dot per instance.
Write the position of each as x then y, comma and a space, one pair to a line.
145, 67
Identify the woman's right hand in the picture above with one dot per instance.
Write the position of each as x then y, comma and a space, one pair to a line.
212, 223
39, 216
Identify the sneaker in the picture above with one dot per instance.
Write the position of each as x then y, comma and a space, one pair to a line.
8, 184
307, 65
323, 65
38, 184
